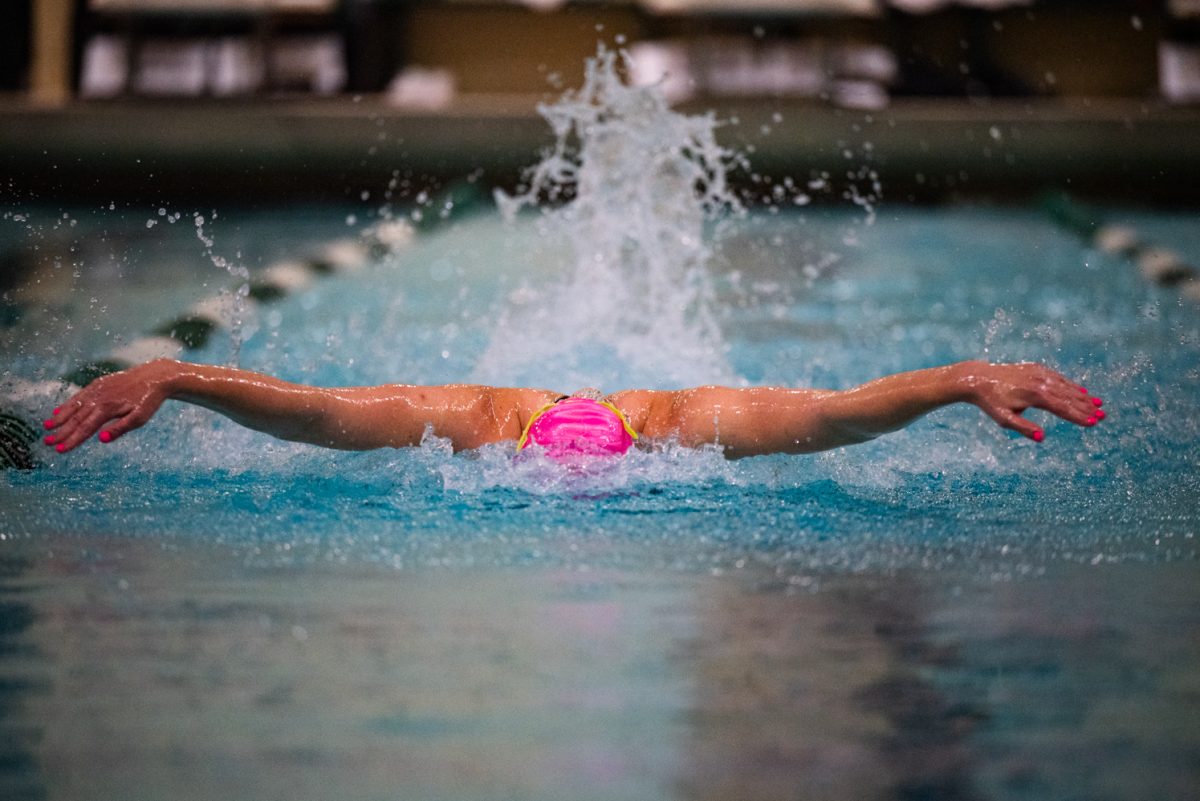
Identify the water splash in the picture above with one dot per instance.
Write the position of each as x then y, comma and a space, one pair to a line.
629, 188
244, 324
494, 467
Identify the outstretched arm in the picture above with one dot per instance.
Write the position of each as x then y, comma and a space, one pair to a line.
762, 420
355, 418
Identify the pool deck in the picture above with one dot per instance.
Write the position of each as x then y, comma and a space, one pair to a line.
340, 148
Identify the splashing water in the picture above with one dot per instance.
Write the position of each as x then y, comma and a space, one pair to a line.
641, 183
242, 313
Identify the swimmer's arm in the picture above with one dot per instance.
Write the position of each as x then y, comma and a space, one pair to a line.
760, 420
356, 418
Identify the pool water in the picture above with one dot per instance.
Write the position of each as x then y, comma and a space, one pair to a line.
199, 611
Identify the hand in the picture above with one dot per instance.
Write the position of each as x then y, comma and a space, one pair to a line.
130, 397
1005, 391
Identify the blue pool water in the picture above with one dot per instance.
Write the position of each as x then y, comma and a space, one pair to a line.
199, 611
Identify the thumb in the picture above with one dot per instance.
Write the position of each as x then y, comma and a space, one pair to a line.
134, 419
1015, 422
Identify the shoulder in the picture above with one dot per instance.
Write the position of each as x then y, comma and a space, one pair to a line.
513, 407
663, 413
649, 411
523, 398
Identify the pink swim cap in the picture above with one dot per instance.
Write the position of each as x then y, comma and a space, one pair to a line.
579, 427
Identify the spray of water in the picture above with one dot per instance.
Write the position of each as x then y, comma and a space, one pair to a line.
627, 191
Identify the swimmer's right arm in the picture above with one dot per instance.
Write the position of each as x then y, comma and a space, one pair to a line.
353, 418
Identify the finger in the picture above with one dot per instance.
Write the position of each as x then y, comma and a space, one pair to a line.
82, 430
1015, 422
1080, 395
1069, 387
108, 410
56, 415
1064, 398
1092, 406
1072, 408
63, 425
56, 418
1077, 407
1086, 399
64, 412
123, 425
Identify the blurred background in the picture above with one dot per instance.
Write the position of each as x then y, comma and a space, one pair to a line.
327, 98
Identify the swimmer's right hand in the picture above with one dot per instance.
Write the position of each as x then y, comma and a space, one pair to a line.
113, 405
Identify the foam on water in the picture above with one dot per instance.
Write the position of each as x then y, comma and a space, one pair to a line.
496, 467
628, 188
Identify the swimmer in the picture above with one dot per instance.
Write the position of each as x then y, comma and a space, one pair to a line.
742, 421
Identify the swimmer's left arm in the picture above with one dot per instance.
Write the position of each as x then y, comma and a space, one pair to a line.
760, 420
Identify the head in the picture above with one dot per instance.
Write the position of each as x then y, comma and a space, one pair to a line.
580, 425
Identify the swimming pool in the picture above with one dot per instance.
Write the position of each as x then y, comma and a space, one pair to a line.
949, 612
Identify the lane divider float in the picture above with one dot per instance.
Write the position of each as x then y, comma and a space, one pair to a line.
192, 329
1156, 264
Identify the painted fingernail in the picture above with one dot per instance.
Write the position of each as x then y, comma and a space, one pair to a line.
47, 424
60, 447
49, 440
1097, 402
106, 436
1038, 436
1100, 415
1083, 390
1091, 421
57, 409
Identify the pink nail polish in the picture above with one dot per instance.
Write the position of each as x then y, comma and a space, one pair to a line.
1100, 415
57, 409
1091, 421
106, 436
1038, 436
60, 447
1083, 390
47, 424
1097, 402
49, 440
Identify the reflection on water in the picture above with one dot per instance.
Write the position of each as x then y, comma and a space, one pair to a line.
179, 665
22, 680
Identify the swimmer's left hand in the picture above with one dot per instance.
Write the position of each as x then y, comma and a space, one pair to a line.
1005, 391
119, 403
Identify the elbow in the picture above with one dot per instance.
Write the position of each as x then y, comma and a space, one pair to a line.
317, 424
834, 432
855, 435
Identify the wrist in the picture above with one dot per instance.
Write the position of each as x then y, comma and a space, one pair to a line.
169, 377
966, 380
